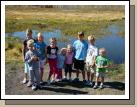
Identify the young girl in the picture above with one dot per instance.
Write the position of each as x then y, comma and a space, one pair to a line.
41, 48
69, 62
52, 59
60, 63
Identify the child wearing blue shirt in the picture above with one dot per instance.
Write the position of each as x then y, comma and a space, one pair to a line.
80, 49
41, 48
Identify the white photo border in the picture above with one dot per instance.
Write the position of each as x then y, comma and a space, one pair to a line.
4, 96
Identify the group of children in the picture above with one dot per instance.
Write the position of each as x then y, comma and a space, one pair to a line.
82, 55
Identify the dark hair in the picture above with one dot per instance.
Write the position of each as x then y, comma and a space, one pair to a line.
81, 33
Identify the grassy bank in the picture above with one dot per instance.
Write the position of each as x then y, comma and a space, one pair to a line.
68, 21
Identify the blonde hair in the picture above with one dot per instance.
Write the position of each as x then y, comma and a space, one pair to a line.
62, 49
30, 42
91, 37
40, 34
102, 50
53, 38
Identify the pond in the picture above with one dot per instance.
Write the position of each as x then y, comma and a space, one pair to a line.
113, 42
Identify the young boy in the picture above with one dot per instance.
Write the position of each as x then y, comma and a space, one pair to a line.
41, 48
32, 59
24, 50
92, 53
80, 50
101, 66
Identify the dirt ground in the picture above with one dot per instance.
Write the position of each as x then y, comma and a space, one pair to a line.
14, 86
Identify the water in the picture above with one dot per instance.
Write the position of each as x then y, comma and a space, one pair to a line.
114, 44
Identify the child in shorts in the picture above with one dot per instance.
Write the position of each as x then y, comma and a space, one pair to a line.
101, 67
32, 59
69, 62
60, 63
52, 50
80, 47
92, 53
40, 46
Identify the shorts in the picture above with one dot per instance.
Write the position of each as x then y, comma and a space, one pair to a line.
89, 69
79, 64
68, 68
42, 63
100, 74
26, 68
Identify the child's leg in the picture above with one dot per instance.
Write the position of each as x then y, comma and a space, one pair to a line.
83, 74
37, 76
92, 76
31, 78
41, 74
88, 75
102, 80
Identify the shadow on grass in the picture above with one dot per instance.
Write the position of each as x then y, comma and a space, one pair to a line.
63, 90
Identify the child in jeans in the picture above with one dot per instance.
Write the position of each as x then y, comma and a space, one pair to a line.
32, 59
60, 63
69, 62
41, 48
24, 50
101, 67
92, 53
52, 50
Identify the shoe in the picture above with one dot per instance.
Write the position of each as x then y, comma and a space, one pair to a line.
64, 79
89, 83
76, 80
101, 86
95, 87
34, 87
24, 81
70, 80
29, 84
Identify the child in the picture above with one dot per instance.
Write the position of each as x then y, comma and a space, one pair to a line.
52, 59
24, 50
60, 63
41, 48
101, 66
69, 62
32, 59
92, 52
80, 49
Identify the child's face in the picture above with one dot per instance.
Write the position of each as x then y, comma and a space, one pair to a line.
69, 50
40, 38
91, 41
80, 37
63, 52
102, 53
29, 35
30, 47
53, 42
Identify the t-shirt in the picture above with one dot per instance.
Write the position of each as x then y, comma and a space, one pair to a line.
60, 61
25, 48
80, 49
92, 52
40, 47
33, 65
101, 61
52, 52
69, 58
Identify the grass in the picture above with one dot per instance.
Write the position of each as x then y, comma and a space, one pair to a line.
69, 22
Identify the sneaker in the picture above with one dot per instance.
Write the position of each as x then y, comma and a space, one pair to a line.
70, 80
64, 79
24, 81
95, 87
29, 84
76, 80
34, 87
101, 86
89, 83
